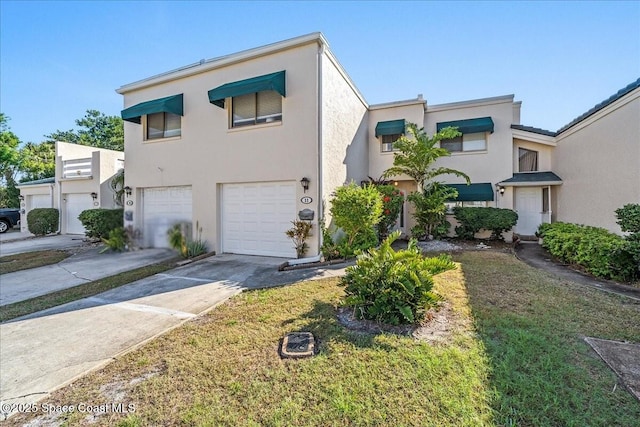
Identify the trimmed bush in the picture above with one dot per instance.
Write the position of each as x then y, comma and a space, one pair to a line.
43, 221
629, 218
599, 251
391, 286
392, 200
472, 220
100, 222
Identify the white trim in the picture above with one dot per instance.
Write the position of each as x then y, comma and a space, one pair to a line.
223, 61
403, 103
471, 103
534, 137
530, 184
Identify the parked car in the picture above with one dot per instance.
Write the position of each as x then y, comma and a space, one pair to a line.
9, 218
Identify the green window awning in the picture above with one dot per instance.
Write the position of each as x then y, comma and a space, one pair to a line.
273, 81
481, 124
473, 192
170, 104
391, 127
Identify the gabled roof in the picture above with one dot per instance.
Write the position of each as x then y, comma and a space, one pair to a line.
603, 104
534, 130
532, 178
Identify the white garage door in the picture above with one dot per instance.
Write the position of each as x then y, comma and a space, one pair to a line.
255, 217
39, 201
162, 208
74, 205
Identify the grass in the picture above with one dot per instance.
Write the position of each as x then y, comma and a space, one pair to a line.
22, 308
26, 261
518, 360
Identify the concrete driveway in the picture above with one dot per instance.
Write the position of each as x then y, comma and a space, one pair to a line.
26, 244
46, 350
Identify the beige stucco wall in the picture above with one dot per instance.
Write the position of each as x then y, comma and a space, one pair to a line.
344, 132
599, 162
208, 153
411, 111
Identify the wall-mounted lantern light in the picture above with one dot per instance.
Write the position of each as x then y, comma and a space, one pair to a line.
94, 195
127, 190
305, 183
21, 197
500, 189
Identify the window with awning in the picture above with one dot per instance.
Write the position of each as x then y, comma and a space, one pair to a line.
170, 104
390, 127
480, 124
478, 192
268, 82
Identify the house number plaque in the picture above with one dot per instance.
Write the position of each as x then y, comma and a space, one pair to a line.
306, 200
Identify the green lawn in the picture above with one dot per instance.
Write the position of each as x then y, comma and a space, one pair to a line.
26, 261
516, 358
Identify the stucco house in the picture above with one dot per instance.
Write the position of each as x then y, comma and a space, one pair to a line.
243, 144
81, 182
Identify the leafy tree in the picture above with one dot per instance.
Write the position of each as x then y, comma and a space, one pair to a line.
416, 154
96, 130
38, 161
392, 200
9, 164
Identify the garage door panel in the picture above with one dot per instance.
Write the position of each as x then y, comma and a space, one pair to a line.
75, 204
162, 208
255, 217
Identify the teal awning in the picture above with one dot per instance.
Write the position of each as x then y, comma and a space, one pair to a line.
473, 192
481, 124
170, 104
273, 81
391, 127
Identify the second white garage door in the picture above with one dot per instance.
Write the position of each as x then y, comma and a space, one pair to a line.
255, 217
75, 204
162, 208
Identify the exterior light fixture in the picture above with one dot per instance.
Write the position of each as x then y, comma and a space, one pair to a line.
21, 197
305, 183
94, 195
127, 190
500, 189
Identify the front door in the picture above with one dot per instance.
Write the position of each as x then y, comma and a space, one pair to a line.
529, 209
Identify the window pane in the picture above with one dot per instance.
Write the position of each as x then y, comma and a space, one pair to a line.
452, 145
244, 109
171, 125
155, 126
528, 160
475, 204
545, 199
269, 106
474, 142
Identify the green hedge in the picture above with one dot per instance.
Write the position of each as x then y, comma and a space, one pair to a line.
99, 222
599, 251
42, 221
472, 220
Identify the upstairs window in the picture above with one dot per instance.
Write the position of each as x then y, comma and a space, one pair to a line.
163, 125
527, 160
255, 108
467, 142
388, 140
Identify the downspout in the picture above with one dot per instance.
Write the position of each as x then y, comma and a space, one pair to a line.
549, 201
320, 204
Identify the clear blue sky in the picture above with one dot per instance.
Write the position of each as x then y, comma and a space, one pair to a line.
59, 59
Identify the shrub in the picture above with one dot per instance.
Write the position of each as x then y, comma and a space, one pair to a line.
629, 218
182, 243
472, 220
42, 221
392, 200
299, 233
393, 286
357, 210
117, 241
430, 211
599, 251
99, 222
329, 248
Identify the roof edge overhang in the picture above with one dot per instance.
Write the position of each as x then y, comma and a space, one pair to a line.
471, 103
530, 184
223, 61
534, 137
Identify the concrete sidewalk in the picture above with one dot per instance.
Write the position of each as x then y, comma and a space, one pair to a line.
46, 350
82, 267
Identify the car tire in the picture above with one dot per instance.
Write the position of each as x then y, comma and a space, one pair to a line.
4, 226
